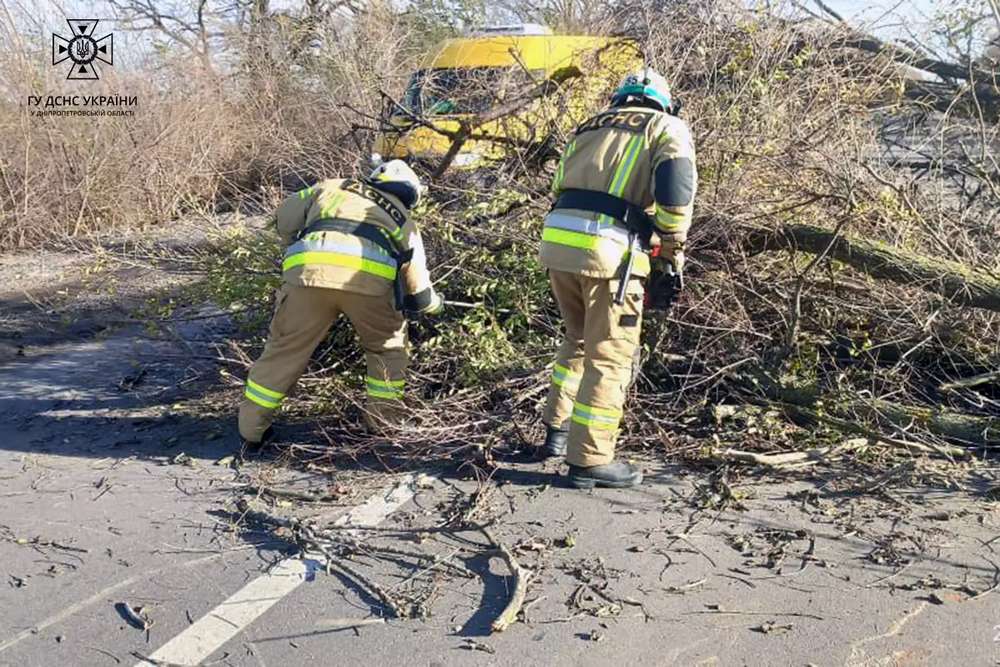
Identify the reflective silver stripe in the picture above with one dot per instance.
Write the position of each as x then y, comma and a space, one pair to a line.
604, 419
261, 400
363, 249
564, 377
583, 226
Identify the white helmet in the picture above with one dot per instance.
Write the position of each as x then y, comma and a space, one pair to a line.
396, 178
647, 85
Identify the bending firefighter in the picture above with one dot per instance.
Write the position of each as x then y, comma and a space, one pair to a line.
596, 245
352, 249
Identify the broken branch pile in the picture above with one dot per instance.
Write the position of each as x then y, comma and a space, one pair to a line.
820, 259
346, 554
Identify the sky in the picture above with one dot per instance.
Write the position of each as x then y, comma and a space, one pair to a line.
887, 18
857, 7
876, 11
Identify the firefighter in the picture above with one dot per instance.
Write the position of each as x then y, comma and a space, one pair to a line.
633, 157
352, 248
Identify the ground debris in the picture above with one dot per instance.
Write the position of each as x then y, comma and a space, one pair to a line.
511, 612
719, 493
567, 542
424, 481
137, 617
130, 382
719, 609
791, 460
183, 459
685, 588
349, 557
330, 624
473, 645
887, 552
333, 493
771, 628
946, 597
770, 547
109, 654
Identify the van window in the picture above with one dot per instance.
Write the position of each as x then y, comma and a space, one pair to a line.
463, 90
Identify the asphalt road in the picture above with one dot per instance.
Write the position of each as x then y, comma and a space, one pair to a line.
110, 495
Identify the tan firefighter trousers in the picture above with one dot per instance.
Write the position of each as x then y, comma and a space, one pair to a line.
302, 318
594, 364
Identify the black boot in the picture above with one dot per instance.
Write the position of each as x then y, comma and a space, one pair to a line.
248, 448
555, 443
614, 475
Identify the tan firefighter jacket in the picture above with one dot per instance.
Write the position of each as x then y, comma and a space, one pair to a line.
643, 156
345, 234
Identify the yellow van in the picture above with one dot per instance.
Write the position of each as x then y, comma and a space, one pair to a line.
467, 76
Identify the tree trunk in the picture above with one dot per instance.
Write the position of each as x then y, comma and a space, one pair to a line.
848, 415
971, 429
961, 284
953, 425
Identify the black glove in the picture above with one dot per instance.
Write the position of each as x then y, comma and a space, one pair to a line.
663, 285
434, 305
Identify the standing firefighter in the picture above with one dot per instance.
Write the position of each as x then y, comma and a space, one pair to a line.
595, 245
352, 249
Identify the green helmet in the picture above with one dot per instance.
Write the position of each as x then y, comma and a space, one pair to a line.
646, 85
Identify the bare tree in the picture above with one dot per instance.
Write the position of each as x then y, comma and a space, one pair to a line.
185, 24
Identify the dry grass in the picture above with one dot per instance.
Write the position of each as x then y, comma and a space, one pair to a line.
234, 137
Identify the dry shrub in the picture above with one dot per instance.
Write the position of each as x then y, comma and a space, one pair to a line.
200, 139
792, 129
77, 175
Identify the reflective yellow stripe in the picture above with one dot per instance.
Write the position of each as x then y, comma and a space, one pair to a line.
305, 194
627, 166
563, 371
602, 419
338, 259
597, 412
269, 393
260, 400
385, 388
378, 393
566, 237
386, 383
332, 206
600, 426
624, 172
564, 377
670, 222
561, 172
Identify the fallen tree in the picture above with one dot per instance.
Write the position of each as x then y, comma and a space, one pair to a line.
787, 139
854, 414
969, 83
956, 282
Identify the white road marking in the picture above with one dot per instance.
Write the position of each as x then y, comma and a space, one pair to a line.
96, 597
207, 635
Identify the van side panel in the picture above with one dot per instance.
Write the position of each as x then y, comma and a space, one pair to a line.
604, 60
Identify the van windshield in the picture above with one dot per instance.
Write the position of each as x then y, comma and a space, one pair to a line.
461, 90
